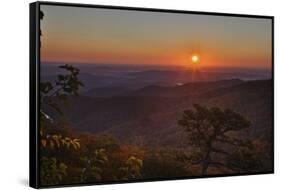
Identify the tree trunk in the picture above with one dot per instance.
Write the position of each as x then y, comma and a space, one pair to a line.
205, 166
206, 163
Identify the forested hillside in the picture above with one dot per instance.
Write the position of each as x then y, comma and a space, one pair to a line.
202, 128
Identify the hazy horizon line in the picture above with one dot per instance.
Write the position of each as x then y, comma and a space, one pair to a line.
150, 65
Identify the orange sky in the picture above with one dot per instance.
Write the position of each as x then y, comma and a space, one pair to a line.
88, 35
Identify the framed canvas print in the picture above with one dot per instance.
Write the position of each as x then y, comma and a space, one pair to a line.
122, 94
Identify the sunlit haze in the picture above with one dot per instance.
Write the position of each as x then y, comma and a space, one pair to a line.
91, 35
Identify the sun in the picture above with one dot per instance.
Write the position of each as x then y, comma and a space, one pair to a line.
194, 59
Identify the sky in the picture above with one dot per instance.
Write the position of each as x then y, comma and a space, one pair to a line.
96, 35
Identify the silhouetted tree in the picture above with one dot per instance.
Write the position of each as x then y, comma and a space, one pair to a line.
251, 158
51, 93
208, 131
41, 16
61, 88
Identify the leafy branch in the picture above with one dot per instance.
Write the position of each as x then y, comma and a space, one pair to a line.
64, 86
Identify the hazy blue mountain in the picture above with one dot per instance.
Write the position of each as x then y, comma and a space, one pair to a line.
152, 120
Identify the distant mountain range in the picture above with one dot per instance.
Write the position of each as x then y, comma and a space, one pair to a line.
165, 91
100, 80
149, 115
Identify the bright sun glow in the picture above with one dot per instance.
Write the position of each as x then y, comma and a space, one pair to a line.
195, 59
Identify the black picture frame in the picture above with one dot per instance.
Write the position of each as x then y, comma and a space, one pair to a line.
34, 137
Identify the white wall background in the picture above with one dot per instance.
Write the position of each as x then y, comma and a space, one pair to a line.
14, 73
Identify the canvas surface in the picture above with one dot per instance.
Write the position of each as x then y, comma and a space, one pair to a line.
130, 95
